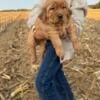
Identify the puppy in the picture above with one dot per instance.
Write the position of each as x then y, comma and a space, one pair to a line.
57, 23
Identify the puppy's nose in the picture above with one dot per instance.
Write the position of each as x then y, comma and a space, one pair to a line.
60, 17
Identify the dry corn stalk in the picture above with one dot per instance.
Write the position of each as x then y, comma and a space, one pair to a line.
2, 97
20, 89
90, 89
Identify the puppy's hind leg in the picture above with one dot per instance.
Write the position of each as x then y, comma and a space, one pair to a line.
74, 38
42, 49
32, 47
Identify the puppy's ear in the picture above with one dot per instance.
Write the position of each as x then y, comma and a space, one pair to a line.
43, 16
69, 13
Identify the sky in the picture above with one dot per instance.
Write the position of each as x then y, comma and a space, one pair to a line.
17, 4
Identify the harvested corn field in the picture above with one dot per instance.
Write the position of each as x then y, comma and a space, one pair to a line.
17, 76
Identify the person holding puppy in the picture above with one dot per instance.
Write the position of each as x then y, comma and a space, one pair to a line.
51, 83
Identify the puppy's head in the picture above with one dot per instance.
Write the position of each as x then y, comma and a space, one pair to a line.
56, 12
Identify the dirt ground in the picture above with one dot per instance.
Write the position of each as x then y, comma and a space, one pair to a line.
17, 76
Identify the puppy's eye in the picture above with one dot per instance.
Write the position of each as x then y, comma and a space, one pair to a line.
64, 7
52, 8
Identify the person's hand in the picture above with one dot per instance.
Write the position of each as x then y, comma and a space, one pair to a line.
40, 30
40, 34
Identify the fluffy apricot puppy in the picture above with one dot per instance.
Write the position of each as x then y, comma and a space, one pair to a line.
57, 23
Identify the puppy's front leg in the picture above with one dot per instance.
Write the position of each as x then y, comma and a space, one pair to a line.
57, 44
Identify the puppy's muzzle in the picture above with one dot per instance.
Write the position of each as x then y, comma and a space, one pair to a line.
60, 17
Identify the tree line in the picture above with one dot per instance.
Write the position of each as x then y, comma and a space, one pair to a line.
14, 10
95, 6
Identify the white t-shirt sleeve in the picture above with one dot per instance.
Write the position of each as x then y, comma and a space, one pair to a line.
36, 10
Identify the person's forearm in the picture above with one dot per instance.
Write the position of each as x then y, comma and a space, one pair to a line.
79, 12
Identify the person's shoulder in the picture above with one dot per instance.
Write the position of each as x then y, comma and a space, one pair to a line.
38, 3
78, 1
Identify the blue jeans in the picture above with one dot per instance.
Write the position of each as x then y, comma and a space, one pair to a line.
51, 83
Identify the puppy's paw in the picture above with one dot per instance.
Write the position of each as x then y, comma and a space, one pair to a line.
60, 54
77, 49
34, 67
33, 60
78, 52
63, 35
76, 45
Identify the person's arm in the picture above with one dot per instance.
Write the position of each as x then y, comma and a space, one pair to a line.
79, 12
33, 19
